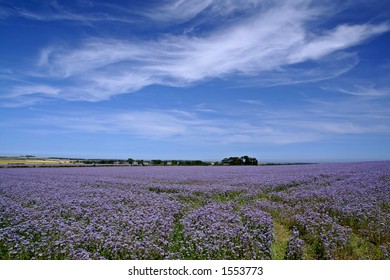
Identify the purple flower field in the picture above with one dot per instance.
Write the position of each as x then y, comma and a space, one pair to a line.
318, 211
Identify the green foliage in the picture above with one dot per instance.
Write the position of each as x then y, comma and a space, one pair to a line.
279, 245
244, 160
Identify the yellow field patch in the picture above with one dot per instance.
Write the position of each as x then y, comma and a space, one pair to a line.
33, 161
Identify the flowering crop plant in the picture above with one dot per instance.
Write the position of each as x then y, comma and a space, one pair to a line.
316, 211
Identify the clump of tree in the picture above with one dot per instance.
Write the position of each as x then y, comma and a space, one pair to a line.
103, 161
159, 162
156, 162
244, 160
192, 162
178, 162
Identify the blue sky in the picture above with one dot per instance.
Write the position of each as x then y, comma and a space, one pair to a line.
198, 79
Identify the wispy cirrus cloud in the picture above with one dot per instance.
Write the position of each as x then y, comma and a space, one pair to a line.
187, 10
251, 101
370, 91
172, 125
268, 47
320, 120
85, 13
341, 37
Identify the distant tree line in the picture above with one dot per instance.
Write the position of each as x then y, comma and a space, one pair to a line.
103, 161
244, 160
167, 162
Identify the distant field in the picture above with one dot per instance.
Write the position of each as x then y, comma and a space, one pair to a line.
319, 211
15, 160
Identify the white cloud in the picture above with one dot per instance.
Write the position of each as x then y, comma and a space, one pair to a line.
239, 127
367, 91
54, 11
265, 46
251, 101
35, 89
187, 10
329, 67
175, 126
179, 10
341, 37
343, 127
